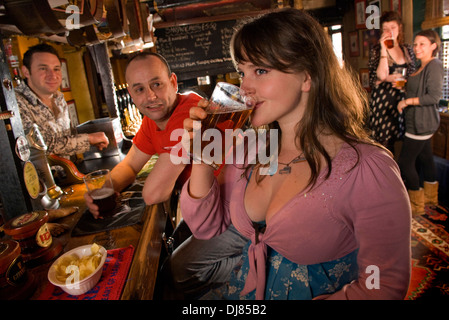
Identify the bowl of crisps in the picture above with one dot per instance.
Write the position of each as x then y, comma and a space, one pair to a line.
78, 270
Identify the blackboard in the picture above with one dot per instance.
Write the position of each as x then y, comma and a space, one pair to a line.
198, 49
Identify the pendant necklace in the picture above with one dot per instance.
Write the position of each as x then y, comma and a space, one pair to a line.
287, 169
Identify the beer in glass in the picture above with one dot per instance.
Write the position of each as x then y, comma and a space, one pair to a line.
400, 81
229, 108
100, 188
389, 43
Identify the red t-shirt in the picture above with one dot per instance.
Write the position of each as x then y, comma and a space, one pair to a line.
151, 140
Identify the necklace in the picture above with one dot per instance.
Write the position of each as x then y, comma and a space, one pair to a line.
287, 169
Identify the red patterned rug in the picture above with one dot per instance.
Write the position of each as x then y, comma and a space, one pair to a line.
430, 255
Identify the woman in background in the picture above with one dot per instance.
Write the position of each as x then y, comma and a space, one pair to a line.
420, 108
385, 64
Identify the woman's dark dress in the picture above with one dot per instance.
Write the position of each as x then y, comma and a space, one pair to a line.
385, 122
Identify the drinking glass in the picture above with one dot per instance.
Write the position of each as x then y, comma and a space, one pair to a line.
400, 81
100, 188
389, 43
228, 110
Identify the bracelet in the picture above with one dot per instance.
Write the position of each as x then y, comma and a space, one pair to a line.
383, 56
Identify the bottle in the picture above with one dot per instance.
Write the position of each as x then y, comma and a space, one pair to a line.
124, 95
13, 60
119, 98
16, 77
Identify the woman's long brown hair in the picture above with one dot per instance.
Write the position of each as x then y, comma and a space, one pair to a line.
292, 41
389, 16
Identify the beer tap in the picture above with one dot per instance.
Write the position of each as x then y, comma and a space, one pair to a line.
38, 156
6, 114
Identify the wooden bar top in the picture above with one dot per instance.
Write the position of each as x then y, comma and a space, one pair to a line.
145, 237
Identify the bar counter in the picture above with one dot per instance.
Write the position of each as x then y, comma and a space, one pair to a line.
145, 237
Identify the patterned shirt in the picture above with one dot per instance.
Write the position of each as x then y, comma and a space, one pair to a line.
56, 129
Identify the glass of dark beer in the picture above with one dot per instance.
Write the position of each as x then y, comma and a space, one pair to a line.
229, 108
100, 188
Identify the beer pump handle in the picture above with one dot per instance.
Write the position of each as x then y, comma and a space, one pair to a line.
38, 149
35, 138
6, 114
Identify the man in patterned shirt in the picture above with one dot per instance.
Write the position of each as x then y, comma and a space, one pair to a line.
40, 102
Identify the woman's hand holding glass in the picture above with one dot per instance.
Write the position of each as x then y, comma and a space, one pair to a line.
386, 40
202, 175
399, 78
191, 124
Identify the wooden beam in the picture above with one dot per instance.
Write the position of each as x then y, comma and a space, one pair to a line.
144, 268
99, 53
234, 16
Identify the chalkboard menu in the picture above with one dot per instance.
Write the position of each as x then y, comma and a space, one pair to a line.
197, 49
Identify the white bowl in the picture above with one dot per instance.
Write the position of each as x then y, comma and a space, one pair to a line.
85, 284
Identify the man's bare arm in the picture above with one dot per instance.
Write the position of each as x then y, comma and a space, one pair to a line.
126, 171
161, 180
123, 175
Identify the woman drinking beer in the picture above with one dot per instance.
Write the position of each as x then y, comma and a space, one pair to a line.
331, 218
391, 59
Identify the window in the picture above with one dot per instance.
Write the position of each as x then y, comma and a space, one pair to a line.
445, 58
336, 37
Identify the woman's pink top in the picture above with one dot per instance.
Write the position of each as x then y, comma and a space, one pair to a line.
364, 208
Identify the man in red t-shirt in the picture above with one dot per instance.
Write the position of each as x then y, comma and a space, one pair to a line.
195, 265
154, 90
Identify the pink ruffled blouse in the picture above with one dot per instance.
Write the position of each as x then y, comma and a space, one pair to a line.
364, 208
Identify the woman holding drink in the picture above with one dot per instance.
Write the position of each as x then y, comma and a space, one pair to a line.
390, 61
336, 224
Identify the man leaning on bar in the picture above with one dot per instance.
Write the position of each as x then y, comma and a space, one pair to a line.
195, 264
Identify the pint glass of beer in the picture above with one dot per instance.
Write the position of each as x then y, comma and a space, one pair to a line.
400, 81
99, 186
228, 110
389, 43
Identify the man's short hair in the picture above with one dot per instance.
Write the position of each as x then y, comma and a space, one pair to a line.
42, 47
143, 55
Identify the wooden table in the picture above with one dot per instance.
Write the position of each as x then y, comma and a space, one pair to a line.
146, 237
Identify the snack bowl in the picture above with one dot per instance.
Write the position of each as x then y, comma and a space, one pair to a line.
83, 285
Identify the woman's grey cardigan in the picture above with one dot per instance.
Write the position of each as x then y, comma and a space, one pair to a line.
424, 119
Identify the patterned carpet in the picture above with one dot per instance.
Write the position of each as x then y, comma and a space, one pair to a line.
430, 255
